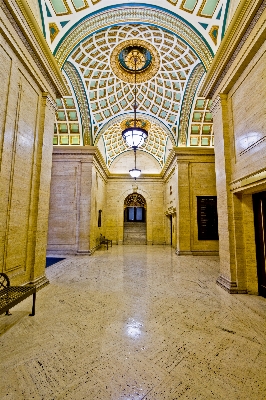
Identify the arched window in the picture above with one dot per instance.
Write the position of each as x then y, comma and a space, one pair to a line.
135, 208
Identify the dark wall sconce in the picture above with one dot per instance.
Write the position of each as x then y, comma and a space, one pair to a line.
99, 218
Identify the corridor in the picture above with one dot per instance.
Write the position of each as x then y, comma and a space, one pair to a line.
135, 322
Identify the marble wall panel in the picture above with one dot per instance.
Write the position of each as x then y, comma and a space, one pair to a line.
41, 186
77, 194
190, 174
26, 123
223, 157
19, 201
248, 109
5, 74
98, 203
170, 205
64, 198
184, 217
202, 183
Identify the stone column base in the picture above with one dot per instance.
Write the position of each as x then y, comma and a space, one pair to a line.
40, 282
229, 286
85, 252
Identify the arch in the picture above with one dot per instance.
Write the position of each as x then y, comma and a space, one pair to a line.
135, 222
120, 212
130, 14
135, 200
110, 136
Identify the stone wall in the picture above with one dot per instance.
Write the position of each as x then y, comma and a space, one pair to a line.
171, 201
190, 174
77, 194
82, 186
237, 85
27, 113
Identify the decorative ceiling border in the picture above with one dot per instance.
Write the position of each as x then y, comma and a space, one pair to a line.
151, 15
81, 97
189, 95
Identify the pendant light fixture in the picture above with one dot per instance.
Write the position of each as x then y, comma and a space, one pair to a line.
135, 136
135, 173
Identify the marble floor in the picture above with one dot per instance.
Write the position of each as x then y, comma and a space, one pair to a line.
135, 323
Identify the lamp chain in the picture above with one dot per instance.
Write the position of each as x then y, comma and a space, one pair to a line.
135, 94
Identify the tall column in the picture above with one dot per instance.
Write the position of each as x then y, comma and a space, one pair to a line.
231, 247
38, 223
85, 205
183, 213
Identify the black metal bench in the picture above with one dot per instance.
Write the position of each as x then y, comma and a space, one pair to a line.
103, 240
12, 295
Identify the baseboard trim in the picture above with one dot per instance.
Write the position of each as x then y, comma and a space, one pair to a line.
183, 253
196, 253
85, 252
205, 253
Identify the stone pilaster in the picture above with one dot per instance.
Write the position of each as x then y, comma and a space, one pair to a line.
183, 210
229, 207
38, 224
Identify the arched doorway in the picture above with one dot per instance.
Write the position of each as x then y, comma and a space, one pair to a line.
135, 231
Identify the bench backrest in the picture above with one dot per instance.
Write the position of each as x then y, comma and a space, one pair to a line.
4, 281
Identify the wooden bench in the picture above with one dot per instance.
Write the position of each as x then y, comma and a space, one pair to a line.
12, 295
103, 240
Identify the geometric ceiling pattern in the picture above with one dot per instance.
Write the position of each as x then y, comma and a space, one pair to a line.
67, 127
200, 124
109, 96
86, 36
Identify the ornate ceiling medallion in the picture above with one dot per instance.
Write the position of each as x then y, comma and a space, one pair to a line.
122, 60
135, 59
140, 123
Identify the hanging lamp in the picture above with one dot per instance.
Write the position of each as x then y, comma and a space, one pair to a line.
135, 136
135, 173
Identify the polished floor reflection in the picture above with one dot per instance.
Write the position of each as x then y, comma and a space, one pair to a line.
135, 323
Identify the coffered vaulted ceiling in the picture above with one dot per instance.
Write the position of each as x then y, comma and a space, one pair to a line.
85, 37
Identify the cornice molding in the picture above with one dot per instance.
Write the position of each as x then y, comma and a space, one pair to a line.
23, 21
90, 154
186, 154
248, 181
247, 14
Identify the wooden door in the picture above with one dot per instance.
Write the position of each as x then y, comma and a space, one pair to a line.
259, 205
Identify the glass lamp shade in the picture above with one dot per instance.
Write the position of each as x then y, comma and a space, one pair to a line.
134, 136
135, 173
